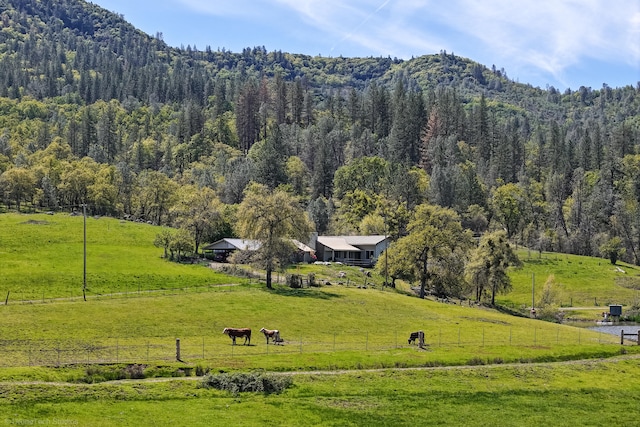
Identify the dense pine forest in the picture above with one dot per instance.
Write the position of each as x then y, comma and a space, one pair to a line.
94, 111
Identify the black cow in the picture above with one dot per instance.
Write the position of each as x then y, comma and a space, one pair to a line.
413, 337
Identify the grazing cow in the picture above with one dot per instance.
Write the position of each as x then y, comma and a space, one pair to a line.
413, 337
274, 334
238, 332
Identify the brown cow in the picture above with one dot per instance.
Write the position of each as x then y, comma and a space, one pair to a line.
238, 332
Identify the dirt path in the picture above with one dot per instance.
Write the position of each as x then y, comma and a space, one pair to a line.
343, 372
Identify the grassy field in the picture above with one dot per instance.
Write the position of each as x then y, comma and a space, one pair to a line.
577, 281
332, 327
42, 258
139, 305
586, 394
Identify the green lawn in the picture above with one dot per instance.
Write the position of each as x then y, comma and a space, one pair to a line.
139, 304
585, 394
329, 327
578, 281
42, 258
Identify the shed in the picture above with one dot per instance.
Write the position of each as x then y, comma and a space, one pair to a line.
615, 310
221, 249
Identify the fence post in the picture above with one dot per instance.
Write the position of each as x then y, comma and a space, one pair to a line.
622, 337
178, 350
638, 336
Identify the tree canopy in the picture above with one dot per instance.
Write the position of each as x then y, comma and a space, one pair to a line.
272, 217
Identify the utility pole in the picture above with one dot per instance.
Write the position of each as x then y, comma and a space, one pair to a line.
386, 249
533, 295
533, 287
84, 264
386, 254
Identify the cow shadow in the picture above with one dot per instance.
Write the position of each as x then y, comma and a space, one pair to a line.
303, 293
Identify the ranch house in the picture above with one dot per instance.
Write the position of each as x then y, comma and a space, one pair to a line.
220, 250
351, 250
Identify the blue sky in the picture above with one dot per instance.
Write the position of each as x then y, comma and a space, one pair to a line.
562, 43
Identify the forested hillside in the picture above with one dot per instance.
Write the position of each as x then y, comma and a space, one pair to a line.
94, 111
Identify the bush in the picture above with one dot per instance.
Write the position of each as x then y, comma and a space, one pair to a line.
201, 370
135, 371
248, 382
311, 279
550, 313
476, 361
294, 281
101, 373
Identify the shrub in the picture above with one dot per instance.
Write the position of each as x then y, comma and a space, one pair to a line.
476, 361
248, 382
311, 278
294, 281
135, 371
101, 373
201, 370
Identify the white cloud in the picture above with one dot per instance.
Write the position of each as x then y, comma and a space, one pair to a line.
235, 8
546, 35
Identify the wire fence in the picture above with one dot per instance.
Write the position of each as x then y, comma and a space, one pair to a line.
147, 350
42, 297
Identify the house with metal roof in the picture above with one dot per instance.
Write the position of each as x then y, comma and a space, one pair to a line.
352, 250
221, 249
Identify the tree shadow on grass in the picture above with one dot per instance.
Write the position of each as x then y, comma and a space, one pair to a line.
303, 293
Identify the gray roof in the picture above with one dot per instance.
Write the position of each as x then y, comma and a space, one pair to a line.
302, 246
336, 243
228, 243
349, 243
247, 245
364, 240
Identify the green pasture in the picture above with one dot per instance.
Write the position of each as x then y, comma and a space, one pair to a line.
578, 281
42, 258
586, 394
479, 366
333, 327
